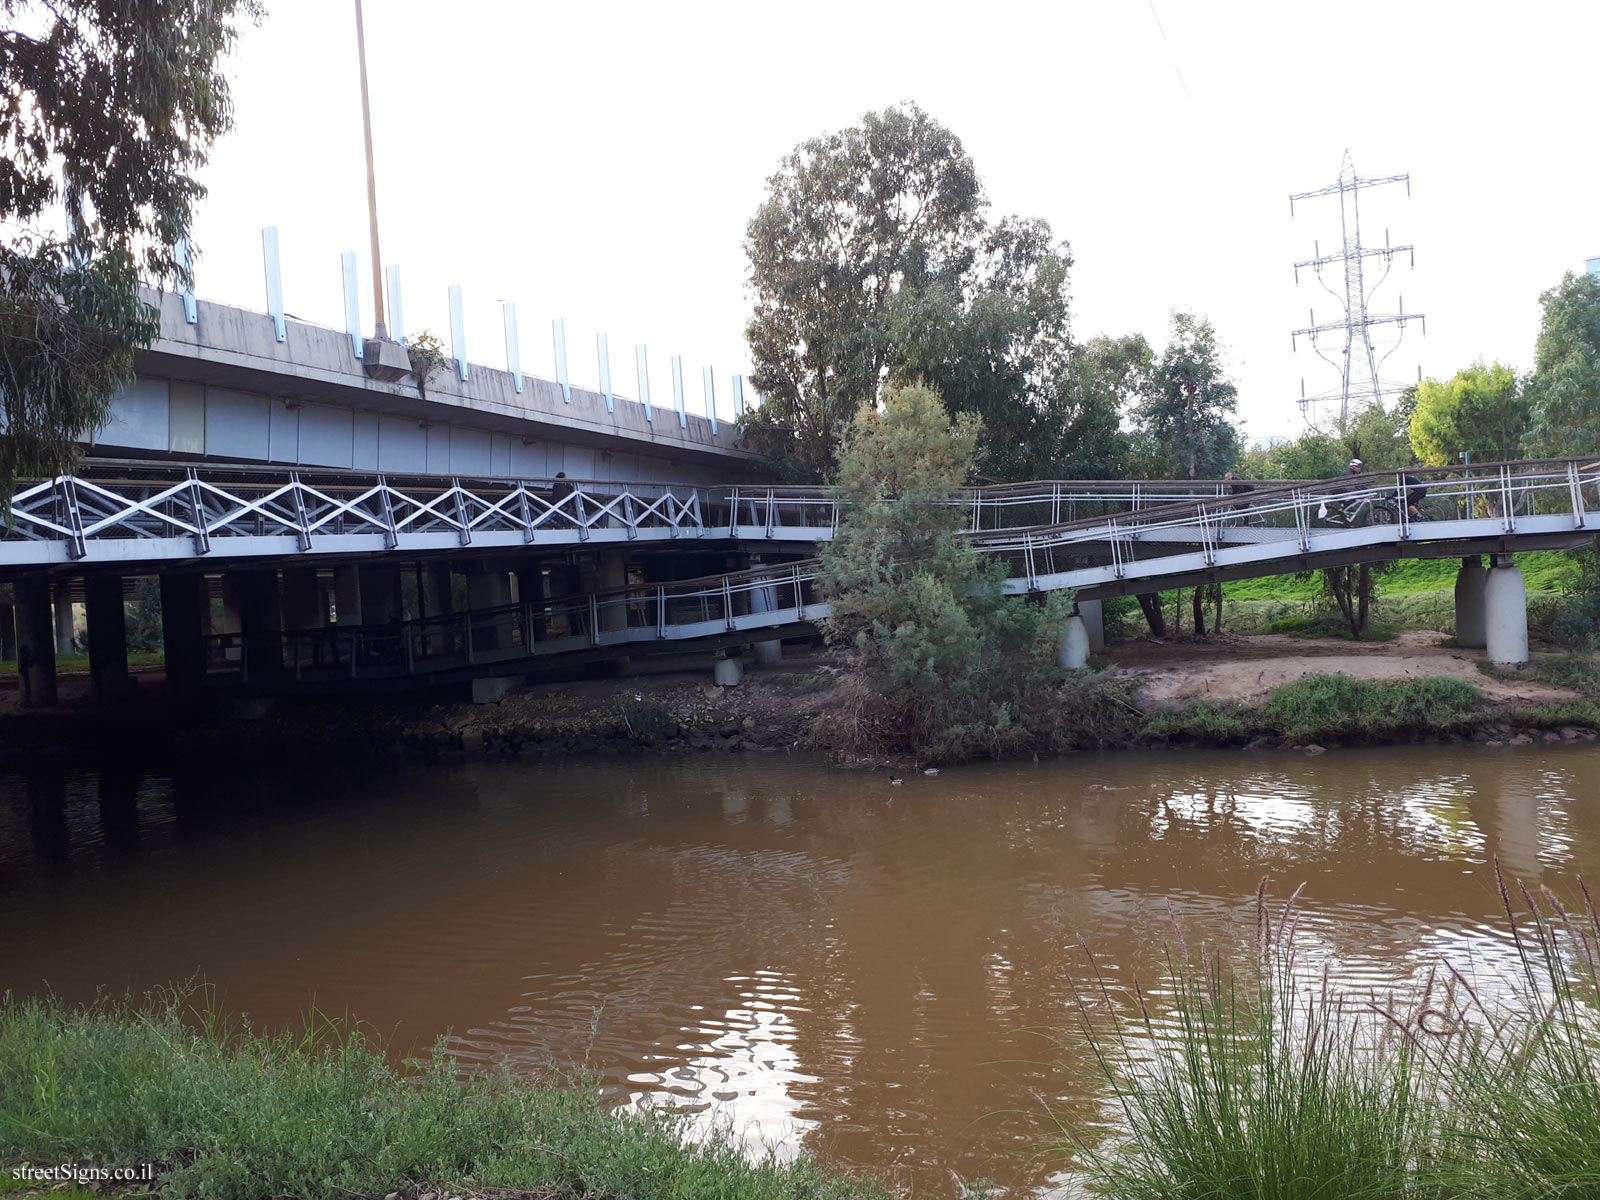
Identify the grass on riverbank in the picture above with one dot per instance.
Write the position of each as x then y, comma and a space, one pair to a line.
1332, 708
1270, 1082
232, 1114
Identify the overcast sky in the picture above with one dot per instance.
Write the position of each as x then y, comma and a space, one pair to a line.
599, 162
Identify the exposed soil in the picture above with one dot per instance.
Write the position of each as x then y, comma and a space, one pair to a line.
1241, 668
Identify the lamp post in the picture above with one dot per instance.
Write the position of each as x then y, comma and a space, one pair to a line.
380, 330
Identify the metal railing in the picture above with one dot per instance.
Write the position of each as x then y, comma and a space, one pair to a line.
1498, 506
116, 510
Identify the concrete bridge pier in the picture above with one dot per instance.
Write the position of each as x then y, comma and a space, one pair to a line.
66, 634
488, 586
1094, 624
8, 633
1505, 605
1471, 580
1074, 653
303, 610
185, 611
256, 593
108, 638
36, 644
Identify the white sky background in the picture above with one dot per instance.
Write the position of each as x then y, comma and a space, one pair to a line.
599, 162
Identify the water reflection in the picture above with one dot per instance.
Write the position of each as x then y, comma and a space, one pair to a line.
812, 957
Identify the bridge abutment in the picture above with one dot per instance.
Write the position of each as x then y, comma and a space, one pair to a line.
1505, 611
1471, 580
36, 644
108, 638
185, 612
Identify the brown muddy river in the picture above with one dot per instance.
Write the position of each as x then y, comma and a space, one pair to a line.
821, 960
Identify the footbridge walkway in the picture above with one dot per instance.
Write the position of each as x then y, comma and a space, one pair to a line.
1495, 509
131, 514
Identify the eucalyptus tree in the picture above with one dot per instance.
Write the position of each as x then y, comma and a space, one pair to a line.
109, 111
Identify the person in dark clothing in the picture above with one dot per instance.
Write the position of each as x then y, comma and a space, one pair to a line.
1238, 487
559, 492
1414, 493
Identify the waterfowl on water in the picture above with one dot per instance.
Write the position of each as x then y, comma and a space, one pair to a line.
896, 780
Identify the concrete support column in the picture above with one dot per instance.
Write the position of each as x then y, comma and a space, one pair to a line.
727, 672
1074, 644
260, 620
184, 605
611, 573
36, 644
768, 653
1470, 582
1505, 604
433, 585
66, 636
489, 588
1094, 624
302, 599
303, 610
347, 594
8, 633
108, 638
380, 596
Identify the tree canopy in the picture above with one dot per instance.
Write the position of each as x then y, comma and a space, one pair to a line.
1185, 411
1563, 392
1479, 410
873, 260
109, 109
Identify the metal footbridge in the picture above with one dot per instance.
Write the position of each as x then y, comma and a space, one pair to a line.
1493, 509
129, 514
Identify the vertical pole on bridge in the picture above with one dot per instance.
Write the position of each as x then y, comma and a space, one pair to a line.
738, 397
397, 325
269, 263
191, 307
677, 391
352, 303
458, 333
513, 351
558, 328
711, 398
641, 358
603, 351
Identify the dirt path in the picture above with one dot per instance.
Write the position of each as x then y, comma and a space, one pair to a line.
1245, 668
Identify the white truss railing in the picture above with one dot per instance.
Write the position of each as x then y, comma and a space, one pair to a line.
121, 512
1495, 509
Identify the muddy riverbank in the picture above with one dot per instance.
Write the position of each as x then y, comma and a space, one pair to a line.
775, 708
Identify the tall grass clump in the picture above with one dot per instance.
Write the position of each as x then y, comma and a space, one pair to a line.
228, 1113
1337, 706
1527, 1074
1255, 1085
1272, 1082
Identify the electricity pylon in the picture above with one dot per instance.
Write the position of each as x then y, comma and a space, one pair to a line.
1358, 360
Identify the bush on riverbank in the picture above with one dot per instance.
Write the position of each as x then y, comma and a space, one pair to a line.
1330, 708
939, 665
1271, 1082
231, 1114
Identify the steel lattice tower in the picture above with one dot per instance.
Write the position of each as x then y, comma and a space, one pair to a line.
1358, 365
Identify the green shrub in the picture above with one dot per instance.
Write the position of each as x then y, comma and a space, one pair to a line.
1339, 707
1204, 721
